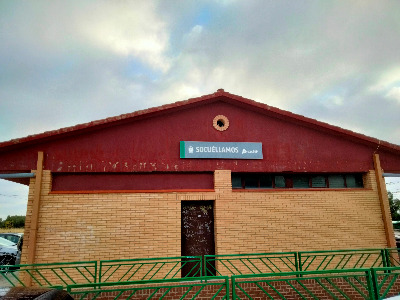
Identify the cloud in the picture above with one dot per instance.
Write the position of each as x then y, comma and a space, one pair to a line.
394, 93
69, 62
130, 29
320, 60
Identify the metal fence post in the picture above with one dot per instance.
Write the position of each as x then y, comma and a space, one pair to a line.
95, 271
100, 271
372, 284
389, 259
298, 261
227, 287
233, 288
203, 271
384, 258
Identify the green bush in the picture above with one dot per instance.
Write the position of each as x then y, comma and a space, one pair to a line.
13, 222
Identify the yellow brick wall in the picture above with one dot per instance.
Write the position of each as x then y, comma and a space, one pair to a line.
77, 227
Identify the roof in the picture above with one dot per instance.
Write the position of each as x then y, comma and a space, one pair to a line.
220, 94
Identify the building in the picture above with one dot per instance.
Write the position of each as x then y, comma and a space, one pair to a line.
215, 174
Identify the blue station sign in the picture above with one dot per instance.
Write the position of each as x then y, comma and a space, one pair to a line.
222, 150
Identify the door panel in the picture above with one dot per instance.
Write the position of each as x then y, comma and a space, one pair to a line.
197, 232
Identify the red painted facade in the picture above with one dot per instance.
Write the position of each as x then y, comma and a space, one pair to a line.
129, 181
149, 142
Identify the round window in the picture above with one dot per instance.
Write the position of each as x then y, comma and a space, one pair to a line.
221, 123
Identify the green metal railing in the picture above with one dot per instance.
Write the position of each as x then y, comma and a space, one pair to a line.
187, 288
392, 257
64, 274
238, 264
50, 275
149, 268
386, 282
332, 284
374, 284
227, 265
342, 259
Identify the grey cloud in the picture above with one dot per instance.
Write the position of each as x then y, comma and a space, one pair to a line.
64, 63
294, 55
287, 54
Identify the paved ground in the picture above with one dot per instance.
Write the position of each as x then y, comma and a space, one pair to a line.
10, 276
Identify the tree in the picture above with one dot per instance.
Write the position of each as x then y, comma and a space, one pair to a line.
13, 222
394, 207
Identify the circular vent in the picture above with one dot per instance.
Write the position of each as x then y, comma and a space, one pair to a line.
221, 123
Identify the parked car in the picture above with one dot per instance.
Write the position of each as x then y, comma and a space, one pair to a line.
13, 237
9, 253
26, 293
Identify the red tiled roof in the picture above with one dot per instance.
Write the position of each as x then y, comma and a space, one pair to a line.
206, 98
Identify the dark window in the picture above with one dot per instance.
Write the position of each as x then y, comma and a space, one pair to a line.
301, 181
280, 182
336, 181
297, 181
354, 181
251, 182
236, 182
266, 182
318, 181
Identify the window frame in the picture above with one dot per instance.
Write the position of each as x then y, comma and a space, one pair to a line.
289, 180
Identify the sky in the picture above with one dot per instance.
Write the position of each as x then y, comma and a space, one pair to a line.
64, 63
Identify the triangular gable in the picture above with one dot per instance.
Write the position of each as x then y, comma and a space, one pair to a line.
219, 95
152, 138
